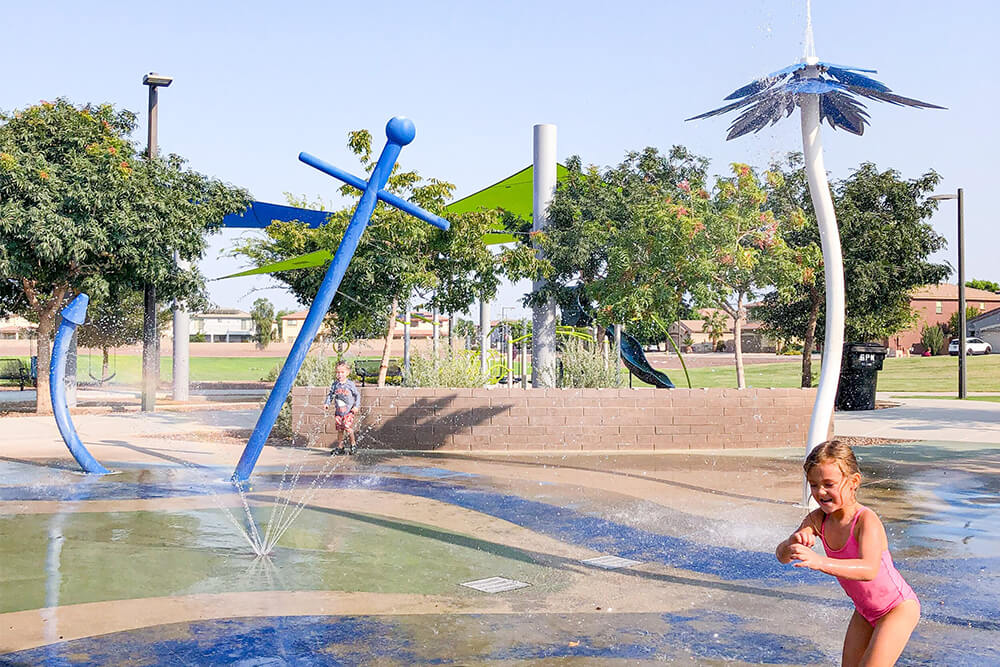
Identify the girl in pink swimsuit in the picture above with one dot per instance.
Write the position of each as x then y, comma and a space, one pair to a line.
885, 607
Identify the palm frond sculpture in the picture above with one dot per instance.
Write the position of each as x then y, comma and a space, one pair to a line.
823, 91
775, 96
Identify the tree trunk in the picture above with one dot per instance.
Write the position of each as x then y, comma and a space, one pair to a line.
43, 402
105, 352
383, 367
809, 340
741, 382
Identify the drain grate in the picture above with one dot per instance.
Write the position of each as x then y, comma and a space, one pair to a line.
611, 562
495, 585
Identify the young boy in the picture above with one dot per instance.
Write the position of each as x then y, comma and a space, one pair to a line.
347, 400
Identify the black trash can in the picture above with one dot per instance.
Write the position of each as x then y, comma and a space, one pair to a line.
858, 370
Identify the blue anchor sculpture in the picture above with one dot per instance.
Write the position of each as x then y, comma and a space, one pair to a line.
400, 132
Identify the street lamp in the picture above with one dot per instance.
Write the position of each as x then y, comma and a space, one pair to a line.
150, 338
960, 196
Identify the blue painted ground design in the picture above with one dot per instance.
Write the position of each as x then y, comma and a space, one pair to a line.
956, 590
436, 640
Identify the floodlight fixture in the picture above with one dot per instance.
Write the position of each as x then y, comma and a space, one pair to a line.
155, 80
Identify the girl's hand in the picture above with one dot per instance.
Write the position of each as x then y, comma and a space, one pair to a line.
805, 536
805, 556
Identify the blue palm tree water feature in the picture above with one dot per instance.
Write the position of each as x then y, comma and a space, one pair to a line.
399, 132
822, 91
73, 315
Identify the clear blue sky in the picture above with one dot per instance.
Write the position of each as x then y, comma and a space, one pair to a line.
258, 82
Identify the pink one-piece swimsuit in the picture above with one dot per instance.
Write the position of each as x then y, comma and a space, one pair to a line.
873, 599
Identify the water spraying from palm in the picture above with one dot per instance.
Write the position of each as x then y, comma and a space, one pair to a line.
822, 91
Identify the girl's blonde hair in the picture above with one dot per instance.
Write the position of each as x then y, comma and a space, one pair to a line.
833, 451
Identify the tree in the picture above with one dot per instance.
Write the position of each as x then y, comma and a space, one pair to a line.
615, 246
741, 245
886, 242
954, 326
262, 315
114, 320
80, 207
987, 285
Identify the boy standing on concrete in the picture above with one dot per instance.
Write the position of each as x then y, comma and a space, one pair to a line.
346, 399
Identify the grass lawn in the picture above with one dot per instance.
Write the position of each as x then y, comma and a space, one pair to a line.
988, 399
930, 374
939, 374
203, 369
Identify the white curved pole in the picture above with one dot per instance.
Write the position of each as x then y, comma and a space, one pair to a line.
833, 268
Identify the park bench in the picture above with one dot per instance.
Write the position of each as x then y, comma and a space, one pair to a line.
367, 371
14, 369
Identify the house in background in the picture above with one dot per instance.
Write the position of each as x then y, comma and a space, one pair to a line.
753, 340
935, 304
223, 325
16, 328
420, 326
987, 327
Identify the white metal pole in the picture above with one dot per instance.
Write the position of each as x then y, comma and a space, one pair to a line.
484, 336
833, 263
406, 341
182, 345
544, 316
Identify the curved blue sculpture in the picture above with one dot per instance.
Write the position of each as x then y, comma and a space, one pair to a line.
73, 315
400, 132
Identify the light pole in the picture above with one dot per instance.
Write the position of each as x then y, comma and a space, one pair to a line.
150, 337
960, 196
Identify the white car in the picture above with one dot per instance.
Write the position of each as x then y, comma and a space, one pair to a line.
972, 346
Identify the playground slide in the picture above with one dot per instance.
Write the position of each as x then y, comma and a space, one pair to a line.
636, 362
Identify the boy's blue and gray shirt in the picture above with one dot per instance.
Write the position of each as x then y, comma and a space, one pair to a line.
346, 396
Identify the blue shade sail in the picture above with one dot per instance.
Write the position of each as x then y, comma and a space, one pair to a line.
775, 96
261, 214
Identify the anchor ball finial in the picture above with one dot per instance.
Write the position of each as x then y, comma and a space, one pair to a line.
400, 130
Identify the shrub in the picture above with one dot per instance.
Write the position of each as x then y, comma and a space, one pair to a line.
932, 338
584, 366
458, 370
315, 372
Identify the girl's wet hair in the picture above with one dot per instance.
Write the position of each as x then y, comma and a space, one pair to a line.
833, 451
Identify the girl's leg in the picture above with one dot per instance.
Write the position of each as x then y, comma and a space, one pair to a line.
859, 633
892, 631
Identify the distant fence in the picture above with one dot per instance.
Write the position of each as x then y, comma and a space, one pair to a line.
563, 419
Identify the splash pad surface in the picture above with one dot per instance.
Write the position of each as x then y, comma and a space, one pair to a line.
146, 563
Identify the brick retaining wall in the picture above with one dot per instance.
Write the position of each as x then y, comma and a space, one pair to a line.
563, 419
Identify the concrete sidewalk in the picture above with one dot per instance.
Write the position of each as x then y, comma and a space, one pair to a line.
924, 419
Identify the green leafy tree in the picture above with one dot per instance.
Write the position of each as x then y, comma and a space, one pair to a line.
614, 243
954, 327
886, 240
987, 285
79, 206
113, 320
740, 246
262, 315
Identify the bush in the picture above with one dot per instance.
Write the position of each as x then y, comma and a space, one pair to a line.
584, 366
315, 372
932, 338
459, 370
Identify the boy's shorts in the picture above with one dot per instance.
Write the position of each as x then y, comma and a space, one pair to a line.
344, 422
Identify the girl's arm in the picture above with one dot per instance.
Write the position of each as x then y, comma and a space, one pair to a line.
805, 535
871, 542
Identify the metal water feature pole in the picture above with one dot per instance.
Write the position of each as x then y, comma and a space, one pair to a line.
400, 132
73, 315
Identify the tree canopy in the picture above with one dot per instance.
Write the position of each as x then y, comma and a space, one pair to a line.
80, 208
